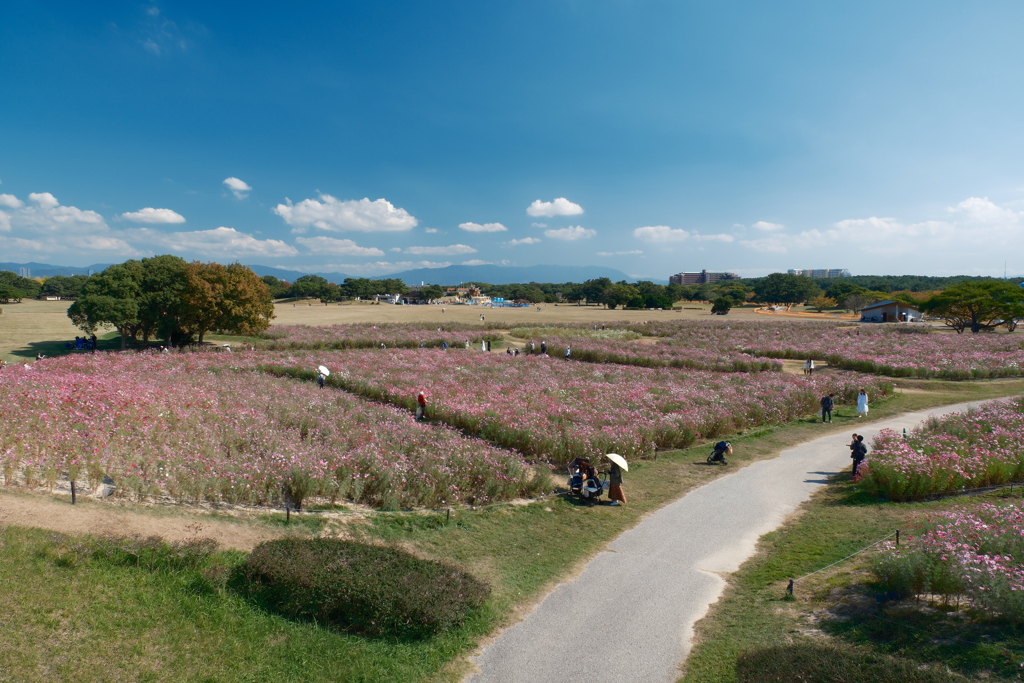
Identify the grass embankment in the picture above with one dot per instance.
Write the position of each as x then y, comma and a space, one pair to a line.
834, 621
93, 620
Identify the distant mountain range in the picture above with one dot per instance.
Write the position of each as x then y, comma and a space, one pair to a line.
450, 275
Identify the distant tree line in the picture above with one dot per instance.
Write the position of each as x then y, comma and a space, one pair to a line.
167, 298
317, 287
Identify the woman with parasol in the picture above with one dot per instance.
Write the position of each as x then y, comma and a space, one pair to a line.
615, 492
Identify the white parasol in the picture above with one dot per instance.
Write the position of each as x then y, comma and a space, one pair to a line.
618, 460
324, 371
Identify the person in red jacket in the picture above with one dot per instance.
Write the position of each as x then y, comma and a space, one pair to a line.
421, 406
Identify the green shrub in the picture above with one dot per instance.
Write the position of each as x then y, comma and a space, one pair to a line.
358, 587
811, 662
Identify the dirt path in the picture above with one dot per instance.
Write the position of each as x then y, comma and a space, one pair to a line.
91, 517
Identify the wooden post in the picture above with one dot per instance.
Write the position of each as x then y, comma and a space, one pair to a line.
448, 518
897, 538
72, 491
287, 515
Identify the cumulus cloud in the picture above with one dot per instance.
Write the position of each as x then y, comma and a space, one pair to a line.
220, 242
525, 240
329, 245
239, 188
476, 262
571, 233
486, 227
375, 267
559, 207
767, 227
975, 225
665, 234
149, 215
10, 201
631, 252
430, 231
538, 225
441, 251
329, 213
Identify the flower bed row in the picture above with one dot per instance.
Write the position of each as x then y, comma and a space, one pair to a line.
207, 426
391, 335
893, 350
549, 408
982, 447
973, 554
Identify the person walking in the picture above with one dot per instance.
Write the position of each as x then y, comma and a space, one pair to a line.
567, 352
320, 379
858, 451
862, 403
615, 492
827, 404
532, 348
543, 348
809, 367
421, 406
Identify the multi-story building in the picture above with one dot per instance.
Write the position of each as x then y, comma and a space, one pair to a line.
701, 278
820, 272
25, 272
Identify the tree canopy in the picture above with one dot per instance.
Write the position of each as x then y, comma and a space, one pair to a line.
978, 306
783, 288
168, 298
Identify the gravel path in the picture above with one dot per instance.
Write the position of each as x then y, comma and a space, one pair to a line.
629, 615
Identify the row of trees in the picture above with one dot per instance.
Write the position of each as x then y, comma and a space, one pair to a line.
165, 297
317, 287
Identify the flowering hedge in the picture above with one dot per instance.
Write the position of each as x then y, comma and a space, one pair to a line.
392, 335
981, 447
547, 407
976, 554
895, 350
208, 427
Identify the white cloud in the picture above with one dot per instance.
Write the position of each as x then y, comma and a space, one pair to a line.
663, 234
329, 245
430, 231
476, 262
774, 244
571, 233
10, 201
486, 227
397, 250
44, 199
631, 252
538, 225
525, 240
239, 188
559, 207
226, 243
45, 228
373, 268
767, 227
149, 215
441, 251
329, 213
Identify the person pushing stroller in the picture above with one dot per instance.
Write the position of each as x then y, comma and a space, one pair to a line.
584, 481
719, 451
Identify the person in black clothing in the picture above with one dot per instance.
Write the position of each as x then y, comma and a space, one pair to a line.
858, 451
827, 403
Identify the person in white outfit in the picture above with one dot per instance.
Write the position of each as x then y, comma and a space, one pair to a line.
862, 403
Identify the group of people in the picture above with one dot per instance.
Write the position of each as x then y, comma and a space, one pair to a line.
589, 481
828, 403
82, 344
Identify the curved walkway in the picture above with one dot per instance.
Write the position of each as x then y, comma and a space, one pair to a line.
629, 615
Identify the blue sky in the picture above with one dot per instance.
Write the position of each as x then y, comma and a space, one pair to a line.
654, 137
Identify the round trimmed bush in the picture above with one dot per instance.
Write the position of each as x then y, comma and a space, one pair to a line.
357, 587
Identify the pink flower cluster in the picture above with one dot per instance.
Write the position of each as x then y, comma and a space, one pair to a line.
366, 336
893, 350
981, 447
206, 426
556, 409
976, 553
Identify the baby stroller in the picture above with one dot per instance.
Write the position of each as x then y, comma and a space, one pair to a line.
586, 490
718, 453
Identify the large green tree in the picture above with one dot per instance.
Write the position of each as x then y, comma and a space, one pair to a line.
110, 298
975, 305
783, 288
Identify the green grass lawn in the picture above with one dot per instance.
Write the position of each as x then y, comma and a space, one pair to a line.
837, 608
96, 621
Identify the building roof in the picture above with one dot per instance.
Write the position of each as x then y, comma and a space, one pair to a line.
889, 302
